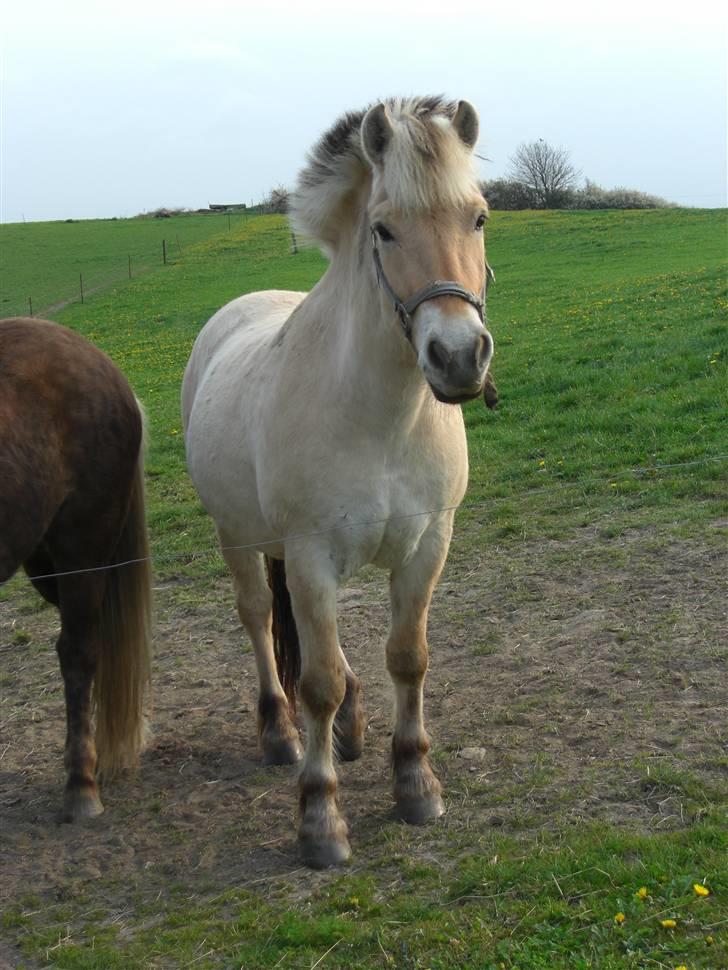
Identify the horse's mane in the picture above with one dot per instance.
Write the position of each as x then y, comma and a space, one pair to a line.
426, 164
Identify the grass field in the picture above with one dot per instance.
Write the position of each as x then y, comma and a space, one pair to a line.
606, 457
44, 260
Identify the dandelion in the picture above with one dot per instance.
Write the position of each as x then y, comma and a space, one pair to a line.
619, 918
681, 967
669, 924
701, 890
709, 940
642, 893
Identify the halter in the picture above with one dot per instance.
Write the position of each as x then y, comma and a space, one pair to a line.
405, 308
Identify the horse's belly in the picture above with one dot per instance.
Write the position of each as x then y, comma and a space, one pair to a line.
222, 390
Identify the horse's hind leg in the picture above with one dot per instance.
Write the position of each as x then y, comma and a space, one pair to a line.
278, 735
417, 791
81, 597
350, 721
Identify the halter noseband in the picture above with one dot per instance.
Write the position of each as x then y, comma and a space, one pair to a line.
405, 308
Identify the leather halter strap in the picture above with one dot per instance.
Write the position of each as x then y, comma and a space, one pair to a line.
405, 308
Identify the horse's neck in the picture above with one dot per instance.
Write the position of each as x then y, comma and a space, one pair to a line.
372, 365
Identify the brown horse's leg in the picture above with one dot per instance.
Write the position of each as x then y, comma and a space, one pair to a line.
277, 732
322, 832
80, 604
417, 791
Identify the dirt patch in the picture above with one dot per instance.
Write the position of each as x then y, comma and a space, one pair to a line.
568, 680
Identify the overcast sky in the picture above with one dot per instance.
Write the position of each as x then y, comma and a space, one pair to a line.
110, 111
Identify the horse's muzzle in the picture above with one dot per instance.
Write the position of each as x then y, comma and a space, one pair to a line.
456, 370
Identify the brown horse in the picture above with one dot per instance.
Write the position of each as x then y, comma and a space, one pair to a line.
72, 514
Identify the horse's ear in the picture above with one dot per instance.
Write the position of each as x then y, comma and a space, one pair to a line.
376, 132
466, 123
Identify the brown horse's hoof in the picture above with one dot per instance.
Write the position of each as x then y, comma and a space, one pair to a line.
81, 803
281, 751
419, 811
320, 854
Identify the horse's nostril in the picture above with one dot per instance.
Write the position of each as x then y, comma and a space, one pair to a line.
486, 349
438, 356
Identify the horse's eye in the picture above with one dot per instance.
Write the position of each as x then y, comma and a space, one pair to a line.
480, 222
384, 234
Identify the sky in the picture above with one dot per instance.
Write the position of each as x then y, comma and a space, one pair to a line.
112, 110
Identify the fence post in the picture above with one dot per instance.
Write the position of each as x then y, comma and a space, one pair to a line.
30, 306
294, 246
130, 267
80, 276
164, 251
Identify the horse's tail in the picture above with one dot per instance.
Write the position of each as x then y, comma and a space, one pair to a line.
285, 635
123, 679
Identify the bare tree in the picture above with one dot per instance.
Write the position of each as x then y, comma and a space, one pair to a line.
277, 200
547, 171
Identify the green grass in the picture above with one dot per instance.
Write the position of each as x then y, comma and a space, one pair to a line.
43, 260
611, 353
611, 349
553, 903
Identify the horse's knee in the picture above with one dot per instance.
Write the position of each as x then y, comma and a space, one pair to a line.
407, 660
323, 689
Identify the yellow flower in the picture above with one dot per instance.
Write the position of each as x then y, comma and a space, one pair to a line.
619, 918
709, 940
642, 893
701, 890
669, 924
681, 967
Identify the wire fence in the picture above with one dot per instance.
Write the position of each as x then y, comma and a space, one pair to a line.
135, 257
635, 472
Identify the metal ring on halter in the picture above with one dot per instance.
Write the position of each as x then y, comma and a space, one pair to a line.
406, 308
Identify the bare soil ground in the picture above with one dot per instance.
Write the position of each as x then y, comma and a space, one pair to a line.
568, 680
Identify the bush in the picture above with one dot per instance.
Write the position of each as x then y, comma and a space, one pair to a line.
593, 196
509, 194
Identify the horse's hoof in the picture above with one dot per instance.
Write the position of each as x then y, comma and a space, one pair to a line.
81, 803
419, 811
320, 854
282, 751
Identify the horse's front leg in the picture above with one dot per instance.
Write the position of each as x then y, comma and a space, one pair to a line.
417, 791
322, 833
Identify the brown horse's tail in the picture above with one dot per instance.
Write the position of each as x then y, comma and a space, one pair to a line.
285, 635
122, 682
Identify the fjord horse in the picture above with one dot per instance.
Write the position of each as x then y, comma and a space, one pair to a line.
323, 433
72, 515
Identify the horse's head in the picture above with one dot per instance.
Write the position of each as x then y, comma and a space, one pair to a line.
426, 216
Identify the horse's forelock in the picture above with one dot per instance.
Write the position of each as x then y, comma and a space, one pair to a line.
426, 164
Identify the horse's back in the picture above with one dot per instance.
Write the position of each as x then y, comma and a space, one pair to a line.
70, 429
239, 328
